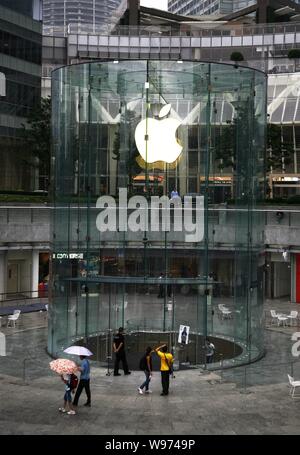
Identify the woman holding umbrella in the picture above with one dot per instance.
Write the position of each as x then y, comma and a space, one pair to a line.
66, 369
68, 407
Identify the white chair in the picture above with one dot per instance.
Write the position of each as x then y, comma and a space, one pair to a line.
226, 314
274, 316
281, 319
13, 318
221, 307
293, 385
293, 317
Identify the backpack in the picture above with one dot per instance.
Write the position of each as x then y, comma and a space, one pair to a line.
73, 381
143, 363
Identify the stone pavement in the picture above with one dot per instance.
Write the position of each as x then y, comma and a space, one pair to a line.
253, 399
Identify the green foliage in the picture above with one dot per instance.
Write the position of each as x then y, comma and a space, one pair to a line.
37, 135
23, 198
235, 132
279, 152
294, 53
225, 150
130, 121
236, 56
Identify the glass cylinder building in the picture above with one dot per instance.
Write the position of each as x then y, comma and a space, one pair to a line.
157, 171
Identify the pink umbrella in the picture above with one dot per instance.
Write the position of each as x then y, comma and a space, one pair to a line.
63, 366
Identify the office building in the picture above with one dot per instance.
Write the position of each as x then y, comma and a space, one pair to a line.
20, 62
79, 15
203, 7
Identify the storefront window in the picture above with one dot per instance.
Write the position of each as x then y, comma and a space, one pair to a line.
124, 135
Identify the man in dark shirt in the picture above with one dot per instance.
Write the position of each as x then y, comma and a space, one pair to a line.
119, 350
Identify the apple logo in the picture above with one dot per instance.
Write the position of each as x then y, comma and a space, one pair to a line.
156, 139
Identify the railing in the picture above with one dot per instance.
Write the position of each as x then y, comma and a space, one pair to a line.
196, 29
15, 300
32, 183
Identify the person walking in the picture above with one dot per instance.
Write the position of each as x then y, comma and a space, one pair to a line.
67, 407
84, 382
166, 362
210, 350
119, 350
146, 366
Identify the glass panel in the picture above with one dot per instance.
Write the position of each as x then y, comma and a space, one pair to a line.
158, 167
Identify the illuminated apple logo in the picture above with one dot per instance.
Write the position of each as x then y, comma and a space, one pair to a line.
156, 139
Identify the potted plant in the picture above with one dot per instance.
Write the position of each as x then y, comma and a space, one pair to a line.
294, 54
236, 56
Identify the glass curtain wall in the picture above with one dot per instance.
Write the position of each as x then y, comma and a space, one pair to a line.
125, 135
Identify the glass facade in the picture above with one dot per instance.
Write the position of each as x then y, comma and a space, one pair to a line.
155, 189
57, 13
20, 62
199, 7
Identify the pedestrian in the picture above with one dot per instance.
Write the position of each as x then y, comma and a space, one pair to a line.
210, 350
146, 366
119, 350
174, 193
84, 382
166, 362
67, 407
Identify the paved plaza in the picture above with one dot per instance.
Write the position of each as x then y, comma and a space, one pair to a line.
249, 400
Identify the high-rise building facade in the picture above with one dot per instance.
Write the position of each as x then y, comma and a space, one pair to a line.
91, 13
20, 62
31, 8
200, 7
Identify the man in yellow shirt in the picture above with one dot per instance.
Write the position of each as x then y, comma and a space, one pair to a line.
166, 361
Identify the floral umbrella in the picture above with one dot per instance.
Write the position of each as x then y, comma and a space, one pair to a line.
63, 366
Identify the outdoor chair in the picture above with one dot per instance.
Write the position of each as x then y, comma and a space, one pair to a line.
293, 385
13, 318
274, 317
281, 319
293, 317
226, 314
220, 309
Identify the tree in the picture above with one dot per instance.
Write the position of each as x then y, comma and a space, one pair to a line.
128, 122
236, 56
279, 152
37, 135
225, 146
294, 54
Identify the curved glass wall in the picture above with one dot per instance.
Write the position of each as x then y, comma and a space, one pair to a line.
157, 170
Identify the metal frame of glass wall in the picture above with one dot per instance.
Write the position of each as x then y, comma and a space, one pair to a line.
149, 279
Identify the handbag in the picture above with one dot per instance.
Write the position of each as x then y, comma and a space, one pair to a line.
170, 366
